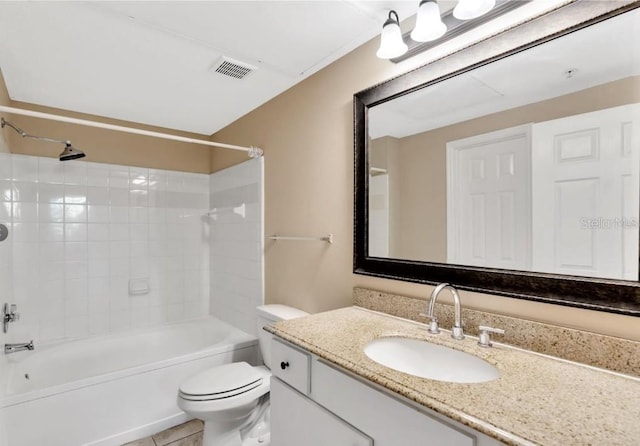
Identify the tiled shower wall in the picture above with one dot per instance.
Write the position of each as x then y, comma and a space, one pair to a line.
236, 231
82, 233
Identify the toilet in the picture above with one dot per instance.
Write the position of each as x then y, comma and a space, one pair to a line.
233, 399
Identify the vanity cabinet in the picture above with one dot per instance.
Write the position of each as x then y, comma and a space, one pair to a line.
316, 403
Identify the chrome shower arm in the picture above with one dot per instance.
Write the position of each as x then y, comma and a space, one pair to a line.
19, 130
4, 122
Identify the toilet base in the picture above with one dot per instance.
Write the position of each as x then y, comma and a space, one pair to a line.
253, 431
264, 440
213, 436
259, 434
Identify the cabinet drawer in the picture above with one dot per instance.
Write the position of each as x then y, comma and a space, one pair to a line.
290, 365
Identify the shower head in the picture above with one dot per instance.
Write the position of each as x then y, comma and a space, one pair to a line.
69, 152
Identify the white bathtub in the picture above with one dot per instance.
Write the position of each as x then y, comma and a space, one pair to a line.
110, 390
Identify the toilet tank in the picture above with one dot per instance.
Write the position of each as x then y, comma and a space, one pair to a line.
267, 315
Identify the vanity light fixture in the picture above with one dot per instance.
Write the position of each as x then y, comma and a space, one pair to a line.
430, 25
391, 42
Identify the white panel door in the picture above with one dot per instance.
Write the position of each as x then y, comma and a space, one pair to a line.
488, 199
298, 421
585, 194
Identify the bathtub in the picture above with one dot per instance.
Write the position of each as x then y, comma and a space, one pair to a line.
109, 390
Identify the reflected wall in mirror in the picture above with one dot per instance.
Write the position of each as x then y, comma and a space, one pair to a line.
517, 173
528, 163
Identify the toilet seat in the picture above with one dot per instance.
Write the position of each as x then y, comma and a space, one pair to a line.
221, 395
221, 382
225, 386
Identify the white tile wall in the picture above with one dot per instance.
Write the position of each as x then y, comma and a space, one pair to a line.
4, 148
236, 245
80, 231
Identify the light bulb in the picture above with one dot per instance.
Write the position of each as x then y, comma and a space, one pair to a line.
470, 9
429, 24
391, 43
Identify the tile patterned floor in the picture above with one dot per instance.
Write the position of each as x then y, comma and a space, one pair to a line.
187, 434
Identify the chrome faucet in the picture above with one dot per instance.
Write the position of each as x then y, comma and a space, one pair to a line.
13, 348
456, 331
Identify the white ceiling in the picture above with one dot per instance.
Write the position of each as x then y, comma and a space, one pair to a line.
149, 62
600, 53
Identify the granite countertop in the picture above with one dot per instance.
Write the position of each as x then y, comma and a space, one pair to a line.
537, 400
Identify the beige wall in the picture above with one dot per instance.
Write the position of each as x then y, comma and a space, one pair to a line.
307, 136
421, 232
384, 154
4, 100
107, 146
428, 222
379, 151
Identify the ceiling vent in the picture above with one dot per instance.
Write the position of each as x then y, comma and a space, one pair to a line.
228, 67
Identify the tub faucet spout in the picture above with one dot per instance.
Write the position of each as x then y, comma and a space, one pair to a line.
13, 348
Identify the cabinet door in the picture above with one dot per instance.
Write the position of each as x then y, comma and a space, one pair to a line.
385, 419
296, 421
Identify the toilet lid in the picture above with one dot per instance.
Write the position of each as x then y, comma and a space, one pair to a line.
222, 382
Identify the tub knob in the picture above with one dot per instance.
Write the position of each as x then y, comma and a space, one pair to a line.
9, 314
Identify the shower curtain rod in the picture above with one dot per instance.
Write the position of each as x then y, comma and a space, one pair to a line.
254, 152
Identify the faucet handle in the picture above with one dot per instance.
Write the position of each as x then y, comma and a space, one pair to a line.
484, 338
433, 324
9, 314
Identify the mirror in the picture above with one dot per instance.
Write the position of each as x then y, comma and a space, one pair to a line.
517, 174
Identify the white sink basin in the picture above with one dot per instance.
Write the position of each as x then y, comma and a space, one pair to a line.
432, 361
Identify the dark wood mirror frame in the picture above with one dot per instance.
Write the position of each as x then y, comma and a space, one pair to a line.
615, 296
